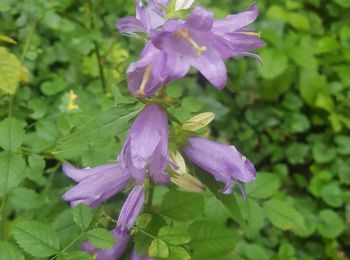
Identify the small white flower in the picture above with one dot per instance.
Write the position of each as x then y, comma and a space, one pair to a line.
183, 4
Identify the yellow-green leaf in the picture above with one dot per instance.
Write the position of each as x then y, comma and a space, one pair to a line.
10, 71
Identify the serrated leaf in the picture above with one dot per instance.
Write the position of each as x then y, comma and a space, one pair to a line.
182, 206
265, 185
209, 239
331, 225
10, 71
75, 255
158, 249
65, 227
142, 241
36, 238
10, 252
101, 238
109, 123
12, 168
24, 198
82, 216
174, 235
178, 253
11, 134
282, 215
228, 200
143, 220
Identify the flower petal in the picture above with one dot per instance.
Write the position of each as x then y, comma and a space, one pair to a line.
130, 25
236, 22
200, 19
80, 174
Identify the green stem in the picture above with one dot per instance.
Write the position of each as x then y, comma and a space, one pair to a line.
100, 67
28, 41
150, 198
3, 235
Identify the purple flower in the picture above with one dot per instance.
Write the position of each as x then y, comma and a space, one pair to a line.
224, 162
204, 43
134, 256
113, 253
95, 185
131, 209
154, 70
147, 18
146, 146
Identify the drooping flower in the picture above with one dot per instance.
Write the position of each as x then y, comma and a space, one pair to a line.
224, 162
204, 43
130, 211
95, 185
146, 146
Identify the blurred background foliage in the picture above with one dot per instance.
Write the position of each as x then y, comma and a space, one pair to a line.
289, 116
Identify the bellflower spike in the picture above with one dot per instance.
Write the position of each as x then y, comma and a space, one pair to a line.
224, 162
108, 254
95, 185
146, 146
204, 43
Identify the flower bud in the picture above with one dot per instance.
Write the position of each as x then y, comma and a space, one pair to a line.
179, 161
183, 4
198, 122
188, 183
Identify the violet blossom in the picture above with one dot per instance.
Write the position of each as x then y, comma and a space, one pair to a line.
130, 211
146, 147
224, 162
205, 43
95, 185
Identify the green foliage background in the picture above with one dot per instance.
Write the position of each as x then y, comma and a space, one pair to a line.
289, 116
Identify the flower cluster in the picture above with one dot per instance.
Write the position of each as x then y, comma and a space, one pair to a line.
173, 45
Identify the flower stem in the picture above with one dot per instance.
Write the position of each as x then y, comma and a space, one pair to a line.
150, 198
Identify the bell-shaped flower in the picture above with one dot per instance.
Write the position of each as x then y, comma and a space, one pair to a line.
146, 147
224, 162
130, 211
95, 185
204, 43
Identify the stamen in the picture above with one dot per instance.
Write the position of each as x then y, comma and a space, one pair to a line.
185, 34
244, 158
256, 34
145, 79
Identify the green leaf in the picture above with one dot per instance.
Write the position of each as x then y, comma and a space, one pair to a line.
274, 63
312, 84
182, 206
331, 225
265, 185
10, 252
343, 3
298, 21
109, 123
178, 253
282, 215
24, 198
11, 134
36, 238
210, 239
255, 251
174, 235
101, 238
75, 255
143, 220
158, 249
82, 216
343, 143
228, 200
332, 194
10, 71
143, 241
322, 153
12, 167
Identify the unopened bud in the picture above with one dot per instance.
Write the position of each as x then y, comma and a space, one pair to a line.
198, 122
188, 183
183, 4
179, 162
